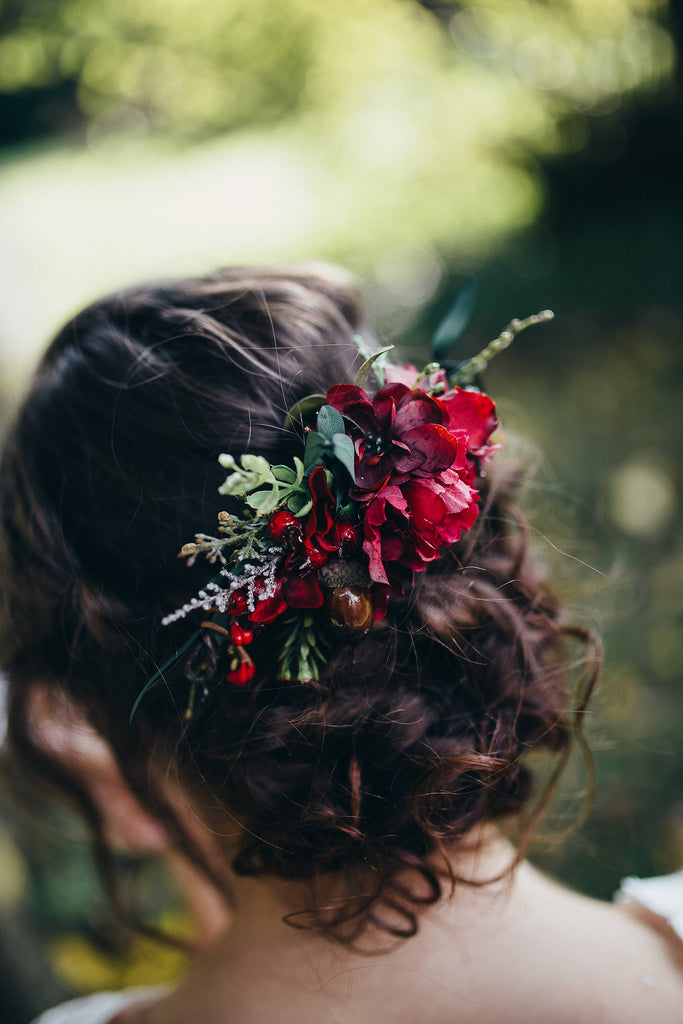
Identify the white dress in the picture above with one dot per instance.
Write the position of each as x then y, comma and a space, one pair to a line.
98, 1008
663, 896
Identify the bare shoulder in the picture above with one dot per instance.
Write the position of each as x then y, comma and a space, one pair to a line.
584, 960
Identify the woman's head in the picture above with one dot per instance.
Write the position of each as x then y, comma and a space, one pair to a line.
417, 733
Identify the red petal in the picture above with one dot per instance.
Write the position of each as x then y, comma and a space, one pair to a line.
473, 412
425, 501
375, 513
355, 404
340, 394
303, 591
379, 595
406, 374
432, 449
394, 496
373, 549
385, 402
418, 410
457, 493
363, 415
372, 477
270, 608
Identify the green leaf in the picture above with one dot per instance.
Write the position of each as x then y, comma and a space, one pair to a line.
348, 512
258, 466
299, 505
315, 446
284, 474
302, 410
234, 484
343, 451
264, 502
372, 364
329, 422
173, 660
456, 320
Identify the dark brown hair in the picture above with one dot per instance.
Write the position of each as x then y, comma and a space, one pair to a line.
416, 736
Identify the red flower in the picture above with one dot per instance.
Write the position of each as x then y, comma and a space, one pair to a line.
469, 412
414, 468
398, 434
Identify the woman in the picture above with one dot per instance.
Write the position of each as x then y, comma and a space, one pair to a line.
332, 728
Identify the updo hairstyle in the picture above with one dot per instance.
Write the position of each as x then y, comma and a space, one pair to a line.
415, 736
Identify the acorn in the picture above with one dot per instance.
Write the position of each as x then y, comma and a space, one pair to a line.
346, 595
350, 609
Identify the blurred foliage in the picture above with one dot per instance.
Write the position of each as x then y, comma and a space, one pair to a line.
196, 71
396, 138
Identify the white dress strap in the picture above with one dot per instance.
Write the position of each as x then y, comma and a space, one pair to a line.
662, 895
98, 1008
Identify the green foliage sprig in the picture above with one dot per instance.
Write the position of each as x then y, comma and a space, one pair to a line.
305, 650
263, 487
329, 443
468, 371
243, 536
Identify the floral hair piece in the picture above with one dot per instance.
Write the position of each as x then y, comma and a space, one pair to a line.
387, 482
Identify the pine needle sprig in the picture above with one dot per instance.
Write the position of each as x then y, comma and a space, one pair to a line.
305, 650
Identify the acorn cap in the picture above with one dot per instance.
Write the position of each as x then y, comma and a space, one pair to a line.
343, 572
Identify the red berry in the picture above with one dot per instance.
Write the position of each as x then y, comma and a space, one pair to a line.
242, 674
317, 557
348, 534
238, 677
281, 522
240, 637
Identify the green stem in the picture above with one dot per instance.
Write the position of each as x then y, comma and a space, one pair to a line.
471, 369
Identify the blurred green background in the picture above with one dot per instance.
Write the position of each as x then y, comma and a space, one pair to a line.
534, 144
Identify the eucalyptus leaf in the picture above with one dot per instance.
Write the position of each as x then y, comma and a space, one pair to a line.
371, 363
343, 451
315, 447
329, 422
302, 410
456, 320
264, 502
